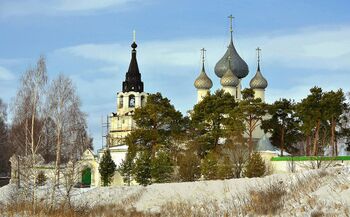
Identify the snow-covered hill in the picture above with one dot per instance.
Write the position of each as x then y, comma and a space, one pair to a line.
311, 193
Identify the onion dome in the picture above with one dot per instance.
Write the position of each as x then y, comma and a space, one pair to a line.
203, 81
258, 81
238, 66
229, 79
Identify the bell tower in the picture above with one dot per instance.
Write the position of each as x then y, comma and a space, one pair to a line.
131, 97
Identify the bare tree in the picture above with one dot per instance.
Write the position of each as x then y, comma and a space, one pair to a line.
5, 149
238, 154
63, 105
28, 109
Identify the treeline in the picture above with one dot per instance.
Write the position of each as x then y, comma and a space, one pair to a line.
216, 141
46, 120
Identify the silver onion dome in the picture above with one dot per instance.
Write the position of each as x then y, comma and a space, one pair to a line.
258, 81
229, 79
237, 65
203, 81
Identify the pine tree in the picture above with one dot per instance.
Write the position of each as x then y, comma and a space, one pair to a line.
161, 168
125, 169
142, 169
107, 168
255, 167
225, 168
209, 166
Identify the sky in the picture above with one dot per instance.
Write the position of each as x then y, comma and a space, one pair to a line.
304, 44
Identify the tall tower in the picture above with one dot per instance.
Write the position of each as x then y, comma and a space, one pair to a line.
236, 64
258, 82
132, 96
203, 83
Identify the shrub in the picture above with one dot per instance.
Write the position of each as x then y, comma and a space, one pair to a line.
189, 167
209, 166
255, 167
266, 200
41, 179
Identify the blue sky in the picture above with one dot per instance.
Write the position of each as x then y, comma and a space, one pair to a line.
304, 43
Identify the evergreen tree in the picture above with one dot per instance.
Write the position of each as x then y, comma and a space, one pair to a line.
225, 168
283, 125
142, 169
208, 118
107, 168
309, 111
209, 166
255, 167
125, 169
251, 112
161, 168
161, 128
334, 109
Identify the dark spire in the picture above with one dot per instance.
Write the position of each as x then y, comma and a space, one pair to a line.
258, 55
133, 77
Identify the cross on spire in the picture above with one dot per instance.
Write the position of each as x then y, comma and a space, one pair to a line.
134, 36
203, 54
258, 53
231, 21
258, 56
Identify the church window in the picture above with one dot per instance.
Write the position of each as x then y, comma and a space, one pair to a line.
121, 102
131, 101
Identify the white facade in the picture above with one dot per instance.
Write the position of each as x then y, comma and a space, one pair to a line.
121, 123
259, 93
201, 93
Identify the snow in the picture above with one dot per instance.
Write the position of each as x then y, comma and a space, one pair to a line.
330, 194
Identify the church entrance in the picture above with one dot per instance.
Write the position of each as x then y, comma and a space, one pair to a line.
86, 177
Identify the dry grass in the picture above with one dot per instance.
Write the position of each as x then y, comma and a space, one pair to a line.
267, 200
288, 198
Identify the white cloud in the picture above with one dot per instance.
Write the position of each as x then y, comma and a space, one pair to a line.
313, 48
320, 55
5, 74
84, 5
56, 7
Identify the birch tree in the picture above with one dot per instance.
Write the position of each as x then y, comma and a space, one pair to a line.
29, 104
28, 108
63, 105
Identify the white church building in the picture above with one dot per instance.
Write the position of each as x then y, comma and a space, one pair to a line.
231, 69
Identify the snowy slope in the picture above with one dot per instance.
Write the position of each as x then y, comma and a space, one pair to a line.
316, 191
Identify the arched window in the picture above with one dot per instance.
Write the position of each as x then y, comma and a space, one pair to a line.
131, 101
121, 102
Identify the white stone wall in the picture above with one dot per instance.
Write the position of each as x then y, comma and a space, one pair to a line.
201, 93
259, 93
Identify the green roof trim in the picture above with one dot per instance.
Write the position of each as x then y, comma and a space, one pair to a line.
310, 158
